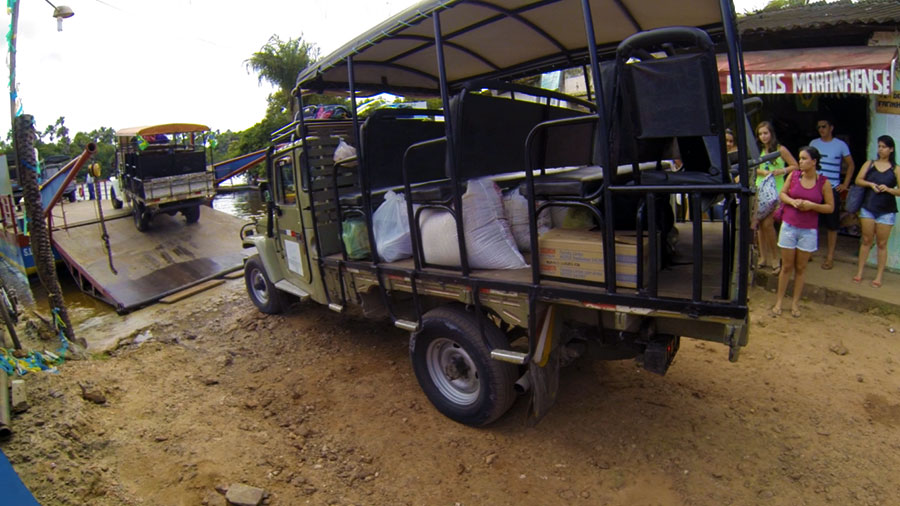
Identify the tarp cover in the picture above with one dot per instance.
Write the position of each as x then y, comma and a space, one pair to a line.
858, 69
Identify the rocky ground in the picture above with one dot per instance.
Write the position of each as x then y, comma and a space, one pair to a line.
316, 408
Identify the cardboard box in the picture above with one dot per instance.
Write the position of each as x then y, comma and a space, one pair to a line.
578, 254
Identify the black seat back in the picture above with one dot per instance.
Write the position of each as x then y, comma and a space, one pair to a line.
490, 131
675, 96
385, 137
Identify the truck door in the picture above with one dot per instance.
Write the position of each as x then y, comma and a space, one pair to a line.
293, 254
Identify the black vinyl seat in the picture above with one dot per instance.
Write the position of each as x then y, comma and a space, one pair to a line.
667, 88
491, 133
584, 183
385, 137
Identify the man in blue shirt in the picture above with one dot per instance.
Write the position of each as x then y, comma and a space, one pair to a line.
835, 158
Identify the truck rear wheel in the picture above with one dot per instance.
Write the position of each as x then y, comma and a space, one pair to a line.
262, 291
455, 369
191, 214
141, 216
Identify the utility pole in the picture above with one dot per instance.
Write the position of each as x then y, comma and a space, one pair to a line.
14, 24
26, 161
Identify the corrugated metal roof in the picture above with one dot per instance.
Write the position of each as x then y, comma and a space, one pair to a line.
819, 15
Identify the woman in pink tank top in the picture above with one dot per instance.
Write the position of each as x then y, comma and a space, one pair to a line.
805, 195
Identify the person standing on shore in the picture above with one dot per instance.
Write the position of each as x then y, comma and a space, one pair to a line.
806, 195
89, 182
879, 210
835, 159
779, 168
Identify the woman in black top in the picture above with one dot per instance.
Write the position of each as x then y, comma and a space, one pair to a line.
879, 210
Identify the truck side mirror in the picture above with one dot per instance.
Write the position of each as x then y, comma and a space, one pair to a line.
264, 192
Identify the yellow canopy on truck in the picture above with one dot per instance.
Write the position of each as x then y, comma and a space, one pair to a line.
167, 128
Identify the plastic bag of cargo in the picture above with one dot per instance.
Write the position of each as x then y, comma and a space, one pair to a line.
489, 242
515, 206
356, 240
390, 224
572, 218
343, 151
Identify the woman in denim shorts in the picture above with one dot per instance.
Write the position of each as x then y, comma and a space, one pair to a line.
879, 210
805, 195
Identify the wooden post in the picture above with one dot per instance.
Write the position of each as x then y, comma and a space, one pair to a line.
5, 430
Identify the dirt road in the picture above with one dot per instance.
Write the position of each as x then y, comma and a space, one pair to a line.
316, 408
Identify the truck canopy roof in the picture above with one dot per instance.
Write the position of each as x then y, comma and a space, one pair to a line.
492, 39
166, 128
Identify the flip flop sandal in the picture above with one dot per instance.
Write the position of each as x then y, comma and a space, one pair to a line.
876, 284
827, 265
795, 313
775, 312
857, 279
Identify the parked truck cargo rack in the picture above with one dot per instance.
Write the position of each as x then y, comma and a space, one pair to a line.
482, 327
162, 169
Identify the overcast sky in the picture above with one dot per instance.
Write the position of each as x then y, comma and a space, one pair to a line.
122, 63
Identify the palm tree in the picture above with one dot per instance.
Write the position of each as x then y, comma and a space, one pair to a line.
279, 62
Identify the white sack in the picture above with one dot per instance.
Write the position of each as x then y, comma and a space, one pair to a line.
489, 242
515, 206
390, 224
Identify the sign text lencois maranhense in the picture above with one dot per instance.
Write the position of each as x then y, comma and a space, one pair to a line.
862, 81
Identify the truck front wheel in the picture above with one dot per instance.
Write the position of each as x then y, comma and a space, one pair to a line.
262, 291
455, 369
191, 214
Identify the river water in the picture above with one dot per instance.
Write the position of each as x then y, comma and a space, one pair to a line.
243, 204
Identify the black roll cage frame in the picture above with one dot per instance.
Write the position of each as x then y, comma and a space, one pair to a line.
738, 194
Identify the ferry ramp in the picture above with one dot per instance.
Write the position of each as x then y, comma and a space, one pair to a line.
168, 258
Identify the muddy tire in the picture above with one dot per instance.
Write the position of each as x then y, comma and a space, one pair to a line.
141, 216
455, 369
191, 214
260, 288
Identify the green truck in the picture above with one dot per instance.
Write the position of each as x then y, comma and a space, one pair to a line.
487, 321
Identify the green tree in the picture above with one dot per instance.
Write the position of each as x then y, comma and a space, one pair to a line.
105, 140
224, 140
775, 5
54, 140
279, 62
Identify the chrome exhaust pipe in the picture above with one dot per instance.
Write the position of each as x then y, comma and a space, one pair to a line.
523, 384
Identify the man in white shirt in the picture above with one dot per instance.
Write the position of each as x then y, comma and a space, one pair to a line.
835, 159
